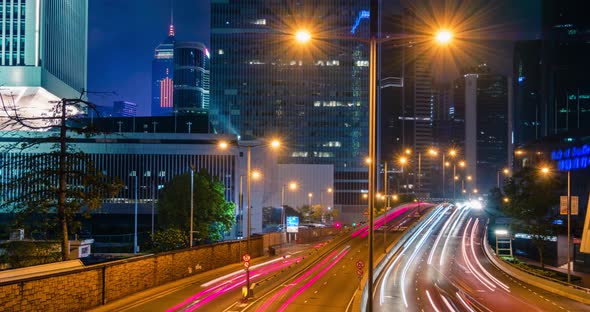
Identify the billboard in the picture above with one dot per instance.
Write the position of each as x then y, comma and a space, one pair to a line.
292, 224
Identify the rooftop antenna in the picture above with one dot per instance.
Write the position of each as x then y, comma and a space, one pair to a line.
171, 31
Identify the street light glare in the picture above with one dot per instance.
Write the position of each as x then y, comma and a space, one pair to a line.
444, 36
223, 145
293, 185
545, 170
302, 36
256, 174
275, 143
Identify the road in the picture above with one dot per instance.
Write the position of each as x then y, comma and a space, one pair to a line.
331, 284
443, 267
315, 276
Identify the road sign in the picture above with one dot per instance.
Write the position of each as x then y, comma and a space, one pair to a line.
574, 207
246, 257
360, 264
246, 264
563, 205
359, 272
292, 224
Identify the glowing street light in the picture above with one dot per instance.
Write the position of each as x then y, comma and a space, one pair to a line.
303, 36
444, 36
292, 186
546, 171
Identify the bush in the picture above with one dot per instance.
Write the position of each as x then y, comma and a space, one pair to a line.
170, 239
18, 254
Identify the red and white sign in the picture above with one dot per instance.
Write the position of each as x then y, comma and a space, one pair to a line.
360, 264
246, 264
246, 257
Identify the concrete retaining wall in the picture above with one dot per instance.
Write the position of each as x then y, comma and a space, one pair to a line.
80, 289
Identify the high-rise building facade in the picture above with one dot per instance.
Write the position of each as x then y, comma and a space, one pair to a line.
409, 106
551, 85
191, 78
163, 76
43, 52
487, 140
314, 96
124, 109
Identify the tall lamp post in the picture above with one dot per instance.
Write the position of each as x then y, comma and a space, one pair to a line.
442, 37
546, 171
292, 186
506, 173
134, 175
192, 167
249, 175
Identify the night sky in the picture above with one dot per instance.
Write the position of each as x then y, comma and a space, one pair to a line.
123, 34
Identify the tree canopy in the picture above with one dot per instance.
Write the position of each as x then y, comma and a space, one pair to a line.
47, 180
213, 215
529, 198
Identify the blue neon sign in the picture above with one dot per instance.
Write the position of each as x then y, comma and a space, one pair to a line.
572, 158
362, 14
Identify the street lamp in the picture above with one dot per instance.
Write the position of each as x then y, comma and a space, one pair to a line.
328, 191
292, 186
304, 36
134, 175
505, 171
249, 175
309, 195
402, 161
190, 242
546, 171
444, 36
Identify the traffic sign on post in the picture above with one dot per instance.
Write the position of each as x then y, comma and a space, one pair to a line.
359, 272
246, 257
246, 264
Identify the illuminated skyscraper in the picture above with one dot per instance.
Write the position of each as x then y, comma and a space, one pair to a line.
191, 83
163, 76
43, 52
314, 96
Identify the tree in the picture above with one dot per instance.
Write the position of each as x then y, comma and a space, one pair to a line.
213, 215
48, 176
530, 198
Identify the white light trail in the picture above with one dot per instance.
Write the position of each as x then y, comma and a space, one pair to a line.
477, 275
448, 304
432, 302
441, 233
473, 229
464, 303
462, 215
410, 261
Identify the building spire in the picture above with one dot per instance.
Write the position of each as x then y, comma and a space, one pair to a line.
171, 30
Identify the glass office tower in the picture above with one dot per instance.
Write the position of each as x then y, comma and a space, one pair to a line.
163, 76
43, 54
314, 96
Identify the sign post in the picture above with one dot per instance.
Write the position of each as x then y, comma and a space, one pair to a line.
246, 292
292, 225
359, 270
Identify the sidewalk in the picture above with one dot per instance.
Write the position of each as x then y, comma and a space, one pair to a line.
584, 277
